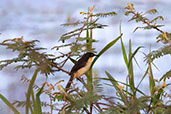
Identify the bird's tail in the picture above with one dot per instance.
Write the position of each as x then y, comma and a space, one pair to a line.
69, 82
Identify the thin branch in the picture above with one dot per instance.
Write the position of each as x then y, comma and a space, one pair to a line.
137, 15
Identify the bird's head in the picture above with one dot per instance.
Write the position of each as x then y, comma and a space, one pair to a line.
90, 54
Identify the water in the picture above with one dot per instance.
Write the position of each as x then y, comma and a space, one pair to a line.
41, 20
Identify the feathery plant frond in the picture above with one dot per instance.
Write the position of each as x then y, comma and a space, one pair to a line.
128, 99
166, 75
157, 18
28, 55
164, 37
26, 80
151, 11
97, 85
85, 24
104, 14
73, 24
86, 100
159, 53
151, 24
21, 104
18, 103
100, 14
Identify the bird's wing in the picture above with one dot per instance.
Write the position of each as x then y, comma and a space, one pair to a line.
79, 64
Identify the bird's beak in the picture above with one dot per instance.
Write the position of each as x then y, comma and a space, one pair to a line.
95, 55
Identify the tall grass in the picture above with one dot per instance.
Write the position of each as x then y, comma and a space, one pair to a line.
87, 99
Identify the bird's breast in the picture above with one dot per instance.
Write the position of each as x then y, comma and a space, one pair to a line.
84, 69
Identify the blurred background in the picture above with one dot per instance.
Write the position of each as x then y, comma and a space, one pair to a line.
41, 20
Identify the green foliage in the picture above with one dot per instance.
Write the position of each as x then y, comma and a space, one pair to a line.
166, 50
104, 14
110, 44
87, 99
129, 64
28, 55
98, 86
151, 11
150, 24
164, 37
30, 90
118, 88
73, 24
148, 27
9, 104
90, 97
19, 103
167, 75
76, 33
157, 18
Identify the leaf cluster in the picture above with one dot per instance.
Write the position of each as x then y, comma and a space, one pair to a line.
82, 100
81, 43
89, 99
163, 37
150, 23
166, 50
28, 55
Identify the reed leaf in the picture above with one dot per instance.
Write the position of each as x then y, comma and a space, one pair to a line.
30, 89
9, 104
130, 69
38, 102
132, 56
115, 85
124, 53
109, 45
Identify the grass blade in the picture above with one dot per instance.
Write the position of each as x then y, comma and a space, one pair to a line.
29, 91
146, 72
132, 55
38, 102
105, 49
113, 81
124, 53
151, 79
34, 109
137, 63
115, 85
130, 69
9, 104
126, 91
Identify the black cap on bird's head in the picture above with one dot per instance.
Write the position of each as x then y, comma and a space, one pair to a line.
90, 54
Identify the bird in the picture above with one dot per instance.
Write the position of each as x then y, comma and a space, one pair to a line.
80, 67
